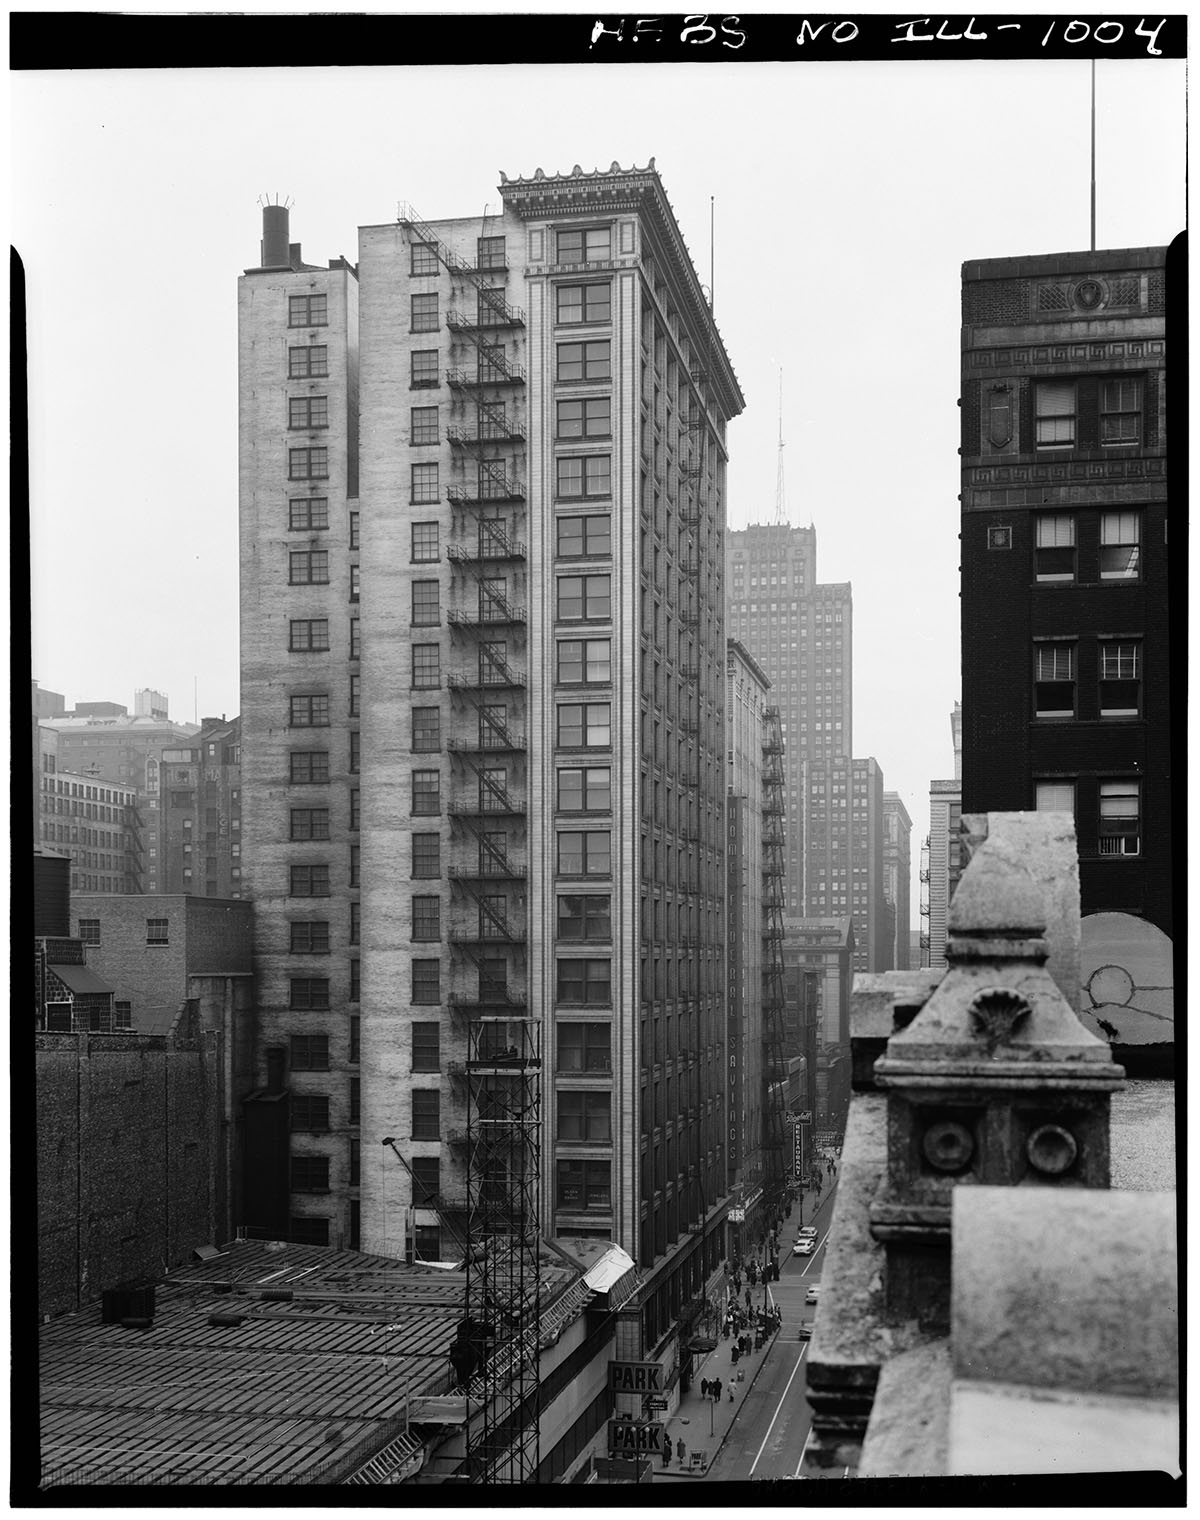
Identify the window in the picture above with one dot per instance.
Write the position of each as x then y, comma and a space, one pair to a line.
585, 916
584, 1116
426, 669
584, 661
426, 1185
309, 937
89, 931
584, 789
307, 514
425, 542
308, 464
589, 417
493, 789
584, 724
580, 244
424, 484
426, 794
310, 823
490, 253
1120, 818
1054, 797
1120, 678
1054, 547
490, 306
308, 992
355, 751
424, 424
426, 1047
355, 809
426, 981
310, 711
493, 662
355, 643
1055, 413
424, 259
310, 1174
308, 311
309, 766
308, 567
579, 536
1120, 546
157, 931
308, 363
426, 730
584, 598
585, 981
309, 881
584, 1184
1054, 681
583, 476
424, 372
424, 312
426, 857
308, 635
1121, 410
584, 303
308, 412
308, 1230
354, 530
492, 364
122, 1014
426, 1114
355, 859
584, 361
310, 1052
355, 923
426, 611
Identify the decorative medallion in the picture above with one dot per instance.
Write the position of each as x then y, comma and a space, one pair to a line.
1051, 1149
948, 1145
996, 1012
1089, 294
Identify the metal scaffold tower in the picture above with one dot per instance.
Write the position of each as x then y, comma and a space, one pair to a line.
774, 1064
499, 1078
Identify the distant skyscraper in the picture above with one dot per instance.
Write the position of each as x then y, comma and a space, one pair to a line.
897, 867
945, 850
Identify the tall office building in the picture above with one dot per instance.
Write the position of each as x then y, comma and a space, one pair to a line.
897, 874
540, 400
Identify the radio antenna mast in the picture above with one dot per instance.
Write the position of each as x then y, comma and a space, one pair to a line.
780, 510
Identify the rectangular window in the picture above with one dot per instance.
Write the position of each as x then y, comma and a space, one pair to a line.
308, 567
426, 794
584, 1184
426, 1113
308, 412
1054, 681
1120, 818
310, 1052
354, 530
584, 661
490, 306
308, 635
583, 476
423, 259
355, 644
354, 583
490, 253
584, 725
310, 1174
584, 303
310, 711
157, 931
308, 311
1121, 410
1120, 546
424, 312
1054, 401
355, 923
307, 514
310, 936
426, 857
426, 982
585, 981
426, 918
89, 931
1055, 797
584, 598
425, 542
426, 1047
587, 417
426, 1185
584, 1117
579, 536
578, 245
308, 464
426, 730
355, 809
308, 363
309, 881
308, 1230
424, 484
310, 823
584, 361
585, 916
492, 364
1120, 678
584, 854
309, 992
355, 859
424, 424
424, 372
584, 789
426, 668
493, 789
1054, 546
426, 611
308, 767
355, 751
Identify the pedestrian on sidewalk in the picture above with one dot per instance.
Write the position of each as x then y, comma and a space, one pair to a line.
682, 1453
747, 1298
703, 1388
666, 1451
716, 1388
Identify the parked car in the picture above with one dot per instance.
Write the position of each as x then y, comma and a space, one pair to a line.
804, 1246
813, 1294
806, 1329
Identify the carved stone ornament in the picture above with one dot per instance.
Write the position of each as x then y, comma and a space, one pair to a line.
1089, 294
1000, 415
996, 1012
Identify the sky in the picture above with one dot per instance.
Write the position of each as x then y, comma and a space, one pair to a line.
843, 198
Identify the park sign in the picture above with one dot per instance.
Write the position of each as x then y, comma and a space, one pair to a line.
635, 1437
635, 1377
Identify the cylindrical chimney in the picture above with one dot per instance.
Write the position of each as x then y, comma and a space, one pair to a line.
275, 253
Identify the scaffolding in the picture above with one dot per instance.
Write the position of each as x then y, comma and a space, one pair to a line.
499, 1080
774, 998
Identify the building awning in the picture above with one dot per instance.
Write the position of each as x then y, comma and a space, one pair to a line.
80, 979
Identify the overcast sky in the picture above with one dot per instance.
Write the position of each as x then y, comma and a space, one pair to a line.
847, 196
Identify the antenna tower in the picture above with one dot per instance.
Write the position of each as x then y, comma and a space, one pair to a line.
780, 508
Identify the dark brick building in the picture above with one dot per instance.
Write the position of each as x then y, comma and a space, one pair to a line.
1065, 646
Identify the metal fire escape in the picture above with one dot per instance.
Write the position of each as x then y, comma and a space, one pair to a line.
774, 1006
500, 1077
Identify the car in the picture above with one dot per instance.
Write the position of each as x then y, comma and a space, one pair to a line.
806, 1329
806, 1232
813, 1294
804, 1246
